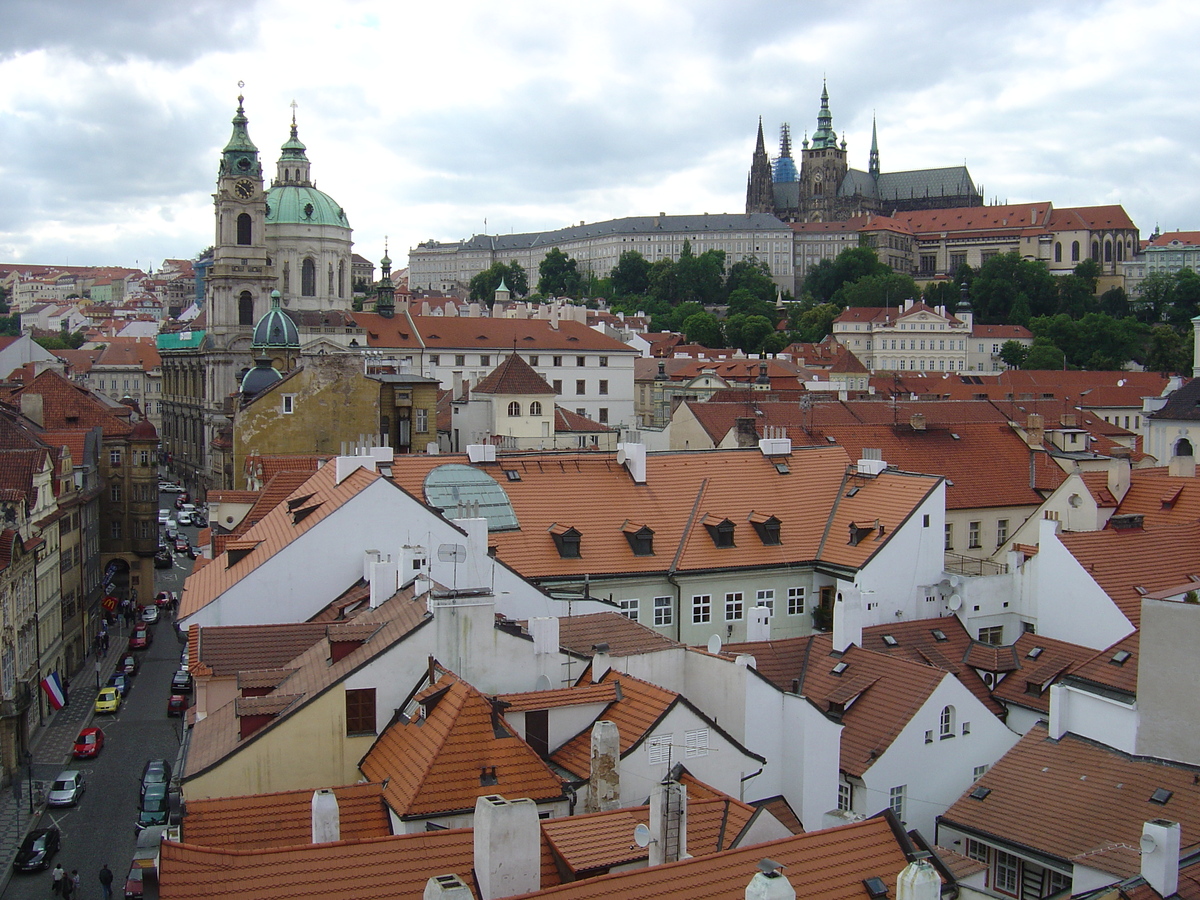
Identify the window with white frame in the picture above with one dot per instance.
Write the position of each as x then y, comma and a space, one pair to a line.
289, 403
114, 457
695, 743
659, 750
766, 598
795, 601
845, 797
701, 608
421, 420
1001, 532
946, 725
629, 609
896, 800
973, 531
1006, 872
734, 606
662, 611
977, 850
978, 772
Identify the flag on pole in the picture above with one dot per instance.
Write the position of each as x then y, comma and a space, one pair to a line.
52, 685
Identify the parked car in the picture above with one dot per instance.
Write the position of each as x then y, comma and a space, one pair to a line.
37, 850
89, 743
165, 599
193, 552
108, 700
67, 789
187, 511
128, 665
133, 881
163, 515
163, 559
156, 771
171, 532
170, 487
199, 519
154, 809
177, 704
140, 639
181, 544
149, 614
181, 682
122, 683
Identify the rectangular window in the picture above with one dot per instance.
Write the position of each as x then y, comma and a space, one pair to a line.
533, 360
973, 535
734, 607
580, 387
360, 711
795, 601
604, 415
701, 609
434, 359
659, 750
603, 386
557, 385
695, 743
977, 773
766, 598
114, 529
143, 457
114, 457
1006, 872
949, 536
662, 611
629, 609
460, 359
1001, 532
966, 727
993, 634
977, 851
114, 493
421, 420
845, 797
289, 404
896, 800
604, 362
558, 360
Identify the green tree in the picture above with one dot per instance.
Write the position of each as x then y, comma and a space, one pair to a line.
679, 314
1114, 302
663, 280
890, 289
1076, 296
699, 278
1013, 354
1044, 355
755, 332
703, 328
1155, 295
558, 275
1089, 270
815, 323
61, 341
746, 301
824, 279
631, 274
1167, 351
483, 286
753, 275
1185, 300
995, 288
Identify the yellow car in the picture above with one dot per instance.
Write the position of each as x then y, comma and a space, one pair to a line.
108, 700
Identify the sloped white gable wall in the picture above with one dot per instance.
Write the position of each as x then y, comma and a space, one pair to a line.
1105, 719
1065, 600
935, 774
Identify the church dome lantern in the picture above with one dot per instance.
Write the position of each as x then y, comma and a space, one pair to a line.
276, 330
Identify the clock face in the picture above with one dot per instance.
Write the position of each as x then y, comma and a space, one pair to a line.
818, 175
244, 189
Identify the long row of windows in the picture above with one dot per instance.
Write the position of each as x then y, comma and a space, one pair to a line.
975, 534
734, 606
485, 359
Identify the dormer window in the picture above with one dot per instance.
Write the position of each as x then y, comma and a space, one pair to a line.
640, 538
857, 534
767, 528
720, 530
566, 541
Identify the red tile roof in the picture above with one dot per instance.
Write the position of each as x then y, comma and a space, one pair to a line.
1110, 668
623, 636
228, 649
513, 376
1042, 661
449, 333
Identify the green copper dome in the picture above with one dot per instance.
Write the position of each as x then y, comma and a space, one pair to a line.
258, 379
295, 204
275, 330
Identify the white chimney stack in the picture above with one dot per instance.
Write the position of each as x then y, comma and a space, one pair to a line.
769, 883
603, 790
326, 821
758, 628
847, 619
1160, 856
508, 847
918, 881
447, 887
633, 457
668, 823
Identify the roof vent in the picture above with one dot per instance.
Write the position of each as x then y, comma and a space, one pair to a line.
980, 793
1121, 657
1161, 796
775, 446
875, 887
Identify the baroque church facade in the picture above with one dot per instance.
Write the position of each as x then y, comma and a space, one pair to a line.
284, 247
825, 189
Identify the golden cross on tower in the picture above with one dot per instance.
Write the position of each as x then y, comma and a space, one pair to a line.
294, 104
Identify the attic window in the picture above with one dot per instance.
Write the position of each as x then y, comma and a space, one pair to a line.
938, 634
955, 436
1033, 688
1161, 796
1120, 657
298, 501
854, 490
890, 641
640, 538
1034, 653
299, 515
875, 887
857, 533
839, 668
566, 540
980, 793
512, 474
767, 528
782, 468
720, 530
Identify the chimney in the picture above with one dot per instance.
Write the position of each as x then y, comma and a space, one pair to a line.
1160, 856
747, 436
633, 457
918, 881
31, 408
759, 626
1067, 420
326, 824
601, 662
769, 883
447, 887
668, 822
508, 847
917, 421
603, 791
1035, 430
1182, 466
847, 619
1118, 472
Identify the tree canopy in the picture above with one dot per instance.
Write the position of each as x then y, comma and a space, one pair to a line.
483, 286
558, 275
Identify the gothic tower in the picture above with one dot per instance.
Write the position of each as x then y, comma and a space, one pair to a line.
822, 167
873, 163
760, 195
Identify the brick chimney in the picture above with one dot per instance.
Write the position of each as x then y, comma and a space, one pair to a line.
747, 434
1035, 430
603, 790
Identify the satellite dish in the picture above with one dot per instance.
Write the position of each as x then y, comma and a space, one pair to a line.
621, 456
641, 836
955, 602
714, 644
1148, 844
542, 683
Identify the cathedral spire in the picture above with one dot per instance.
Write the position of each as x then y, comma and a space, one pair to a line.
784, 169
760, 195
824, 138
762, 146
873, 165
240, 155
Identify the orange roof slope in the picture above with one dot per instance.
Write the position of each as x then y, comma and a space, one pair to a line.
443, 760
1043, 661
1111, 668
513, 376
283, 819
1087, 797
623, 636
1162, 499
228, 649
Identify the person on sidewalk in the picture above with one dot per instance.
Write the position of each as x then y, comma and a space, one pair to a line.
66, 886
56, 878
75, 883
106, 878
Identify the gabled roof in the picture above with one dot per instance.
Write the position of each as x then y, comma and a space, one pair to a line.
1111, 669
566, 421
875, 694
225, 650
1072, 798
513, 376
1161, 499
283, 819
1092, 218
455, 750
449, 333
66, 405
1042, 661
623, 636
1183, 404
1013, 218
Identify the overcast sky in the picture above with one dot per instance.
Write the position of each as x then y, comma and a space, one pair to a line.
425, 120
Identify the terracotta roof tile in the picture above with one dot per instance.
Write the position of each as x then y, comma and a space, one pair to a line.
443, 333
282, 819
553, 699
434, 764
513, 376
1041, 662
623, 636
1088, 797
1111, 668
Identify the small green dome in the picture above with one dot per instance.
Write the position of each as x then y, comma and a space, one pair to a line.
295, 204
258, 379
275, 330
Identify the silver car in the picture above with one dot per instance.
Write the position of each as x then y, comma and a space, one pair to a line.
68, 787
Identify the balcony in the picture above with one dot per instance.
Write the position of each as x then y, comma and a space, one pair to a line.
958, 564
19, 703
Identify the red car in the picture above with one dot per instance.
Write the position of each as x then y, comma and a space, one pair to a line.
177, 704
89, 743
162, 599
140, 639
127, 666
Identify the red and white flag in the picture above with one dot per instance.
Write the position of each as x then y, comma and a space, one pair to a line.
52, 685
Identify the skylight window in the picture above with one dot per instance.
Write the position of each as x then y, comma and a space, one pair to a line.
782, 468
890, 641
980, 793
1161, 796
512, 474
876, 887
938, 634
457, 489
1034, 653
1121, 657
839, 668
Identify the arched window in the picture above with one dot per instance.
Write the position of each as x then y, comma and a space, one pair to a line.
535, 408
245, 309
287, 174
1108, 251
1096, 251
1057, 251
1120, 251
308, 278
1075, 251
1183, 447
946, 726
287, 277
331, 279
341, 278
243, 230
514, 408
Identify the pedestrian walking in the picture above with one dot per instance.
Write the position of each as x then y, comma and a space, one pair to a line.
56, 879
75, 883
66, 886
105, 877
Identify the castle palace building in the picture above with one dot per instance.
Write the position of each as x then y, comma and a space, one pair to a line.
826, 189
